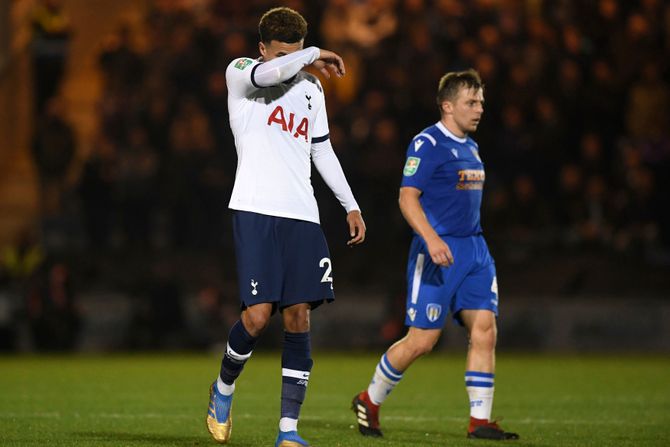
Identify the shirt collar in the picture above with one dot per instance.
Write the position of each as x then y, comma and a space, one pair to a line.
448, 133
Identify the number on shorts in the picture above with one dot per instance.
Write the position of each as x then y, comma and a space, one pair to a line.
329, 268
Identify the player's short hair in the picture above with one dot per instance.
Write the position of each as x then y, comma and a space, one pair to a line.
283, 25
451, 83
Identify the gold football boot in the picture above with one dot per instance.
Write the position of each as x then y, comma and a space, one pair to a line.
219, 415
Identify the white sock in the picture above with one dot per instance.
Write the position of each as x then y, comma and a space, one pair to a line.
480, 389
385, 378
288, 424
224, 388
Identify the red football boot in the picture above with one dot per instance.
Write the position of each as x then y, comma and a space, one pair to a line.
367, 415
485, 429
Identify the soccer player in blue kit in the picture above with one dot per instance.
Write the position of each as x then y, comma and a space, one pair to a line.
450, 269
279, 120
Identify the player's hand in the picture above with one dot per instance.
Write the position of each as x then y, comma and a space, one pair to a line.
440, 252
356, 228
329, 61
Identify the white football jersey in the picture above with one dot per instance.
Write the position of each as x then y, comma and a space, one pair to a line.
274, 128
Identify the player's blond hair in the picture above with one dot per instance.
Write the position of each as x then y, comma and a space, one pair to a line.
451, 83
283, 25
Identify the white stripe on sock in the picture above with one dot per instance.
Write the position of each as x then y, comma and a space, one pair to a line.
479, 379
239, 357
294, 373
390, 375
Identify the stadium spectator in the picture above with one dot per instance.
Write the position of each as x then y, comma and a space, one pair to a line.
648, 111
158, 317
53, 148
49, 48
136, 171
96, 192
122, 67
53, 312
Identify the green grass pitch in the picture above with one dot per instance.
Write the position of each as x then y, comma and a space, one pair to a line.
161, 400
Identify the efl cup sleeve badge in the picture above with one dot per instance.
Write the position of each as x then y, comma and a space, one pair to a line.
411, 166
243, 63
433, 312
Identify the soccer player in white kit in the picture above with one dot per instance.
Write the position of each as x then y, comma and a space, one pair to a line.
279, 120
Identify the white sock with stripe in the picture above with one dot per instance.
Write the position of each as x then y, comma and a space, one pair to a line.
385, 378
479, 386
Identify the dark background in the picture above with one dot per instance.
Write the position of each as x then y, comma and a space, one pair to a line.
118, 161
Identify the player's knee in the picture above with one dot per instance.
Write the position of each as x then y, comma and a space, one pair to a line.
424, 348
255, 322
296, 319
421, 346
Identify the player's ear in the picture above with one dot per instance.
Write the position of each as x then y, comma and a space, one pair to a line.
262, 49
446, 107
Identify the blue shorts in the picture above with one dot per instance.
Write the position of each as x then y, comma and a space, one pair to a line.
281, 261
433, 291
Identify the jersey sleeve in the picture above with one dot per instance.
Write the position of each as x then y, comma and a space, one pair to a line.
320, 131
239, 76
420, 163
329, 167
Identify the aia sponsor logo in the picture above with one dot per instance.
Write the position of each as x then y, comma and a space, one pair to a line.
279, 117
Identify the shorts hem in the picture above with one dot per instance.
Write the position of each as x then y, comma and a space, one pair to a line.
312, 304
456, 314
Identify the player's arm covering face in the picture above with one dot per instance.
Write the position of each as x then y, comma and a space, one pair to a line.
244, 75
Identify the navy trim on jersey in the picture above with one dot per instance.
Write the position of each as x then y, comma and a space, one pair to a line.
253, 70
320, 139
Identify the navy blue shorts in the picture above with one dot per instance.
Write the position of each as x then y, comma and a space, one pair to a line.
434, 291
281, 261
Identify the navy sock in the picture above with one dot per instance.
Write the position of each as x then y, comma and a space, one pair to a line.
238, 350
296, 365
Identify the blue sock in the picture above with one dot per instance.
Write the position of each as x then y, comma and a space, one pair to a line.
296, 362
238, 350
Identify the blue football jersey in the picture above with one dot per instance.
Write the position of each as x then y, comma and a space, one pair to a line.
450, 174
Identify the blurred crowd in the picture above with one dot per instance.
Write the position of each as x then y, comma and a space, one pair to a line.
575, 135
